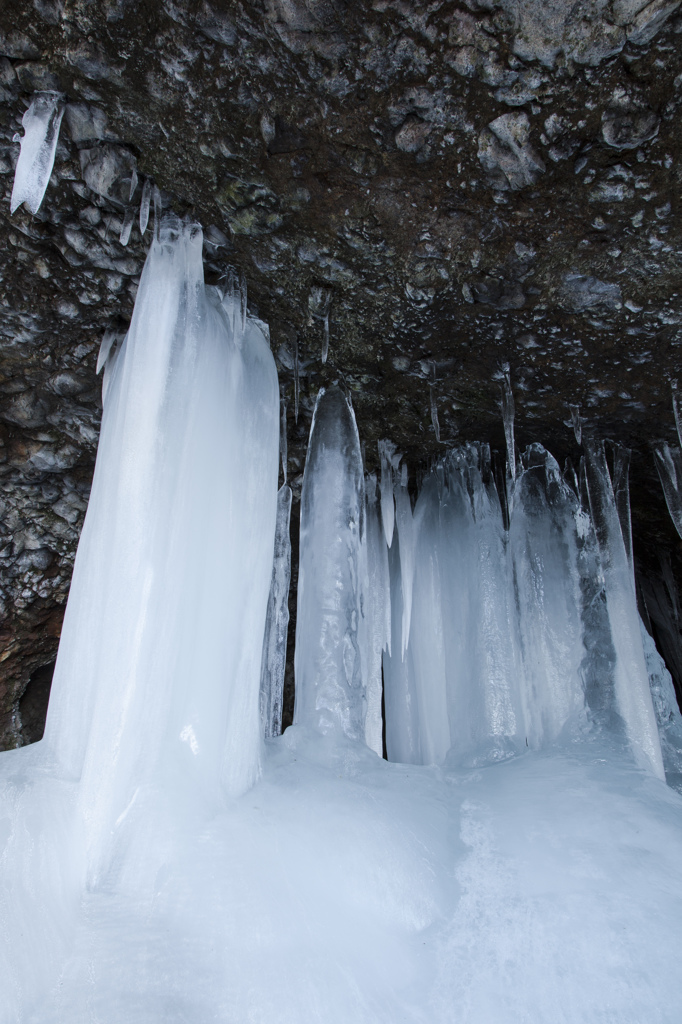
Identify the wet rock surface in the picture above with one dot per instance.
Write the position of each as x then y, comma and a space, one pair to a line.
455, 186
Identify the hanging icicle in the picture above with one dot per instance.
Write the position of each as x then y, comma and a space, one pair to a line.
144, 205
669, 465
507, 405
319, 303
389, 460
296, 381
283, 437
576, 422
127, 226
41, 124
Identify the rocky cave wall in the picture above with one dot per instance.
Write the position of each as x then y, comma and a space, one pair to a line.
458, 186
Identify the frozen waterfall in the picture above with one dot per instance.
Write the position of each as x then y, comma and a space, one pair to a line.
167, 855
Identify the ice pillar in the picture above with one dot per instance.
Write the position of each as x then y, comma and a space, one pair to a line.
330, 695
157, 679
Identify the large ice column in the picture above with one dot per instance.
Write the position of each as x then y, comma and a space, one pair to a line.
428, 628
543, 542
277, 622
633, 696
330, 692
41, 124
157, 678
400, 693
481, 650
377, 607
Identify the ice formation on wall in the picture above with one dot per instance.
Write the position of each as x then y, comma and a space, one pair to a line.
41, 124
330, 694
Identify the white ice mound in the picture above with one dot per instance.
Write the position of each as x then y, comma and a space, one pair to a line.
41, 124
330, 692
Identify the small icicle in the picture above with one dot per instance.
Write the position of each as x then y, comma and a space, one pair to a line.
621, 493
387, 454
571, 477
507, 405
157, 212
577, 422
242, 300
133, 185
296, 383
677, 409
283, 438
325, 338
434, 408
105, 348
144, 205
127, 225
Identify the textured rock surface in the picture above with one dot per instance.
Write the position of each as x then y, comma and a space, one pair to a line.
457, 186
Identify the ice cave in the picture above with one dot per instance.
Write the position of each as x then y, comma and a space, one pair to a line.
360, 738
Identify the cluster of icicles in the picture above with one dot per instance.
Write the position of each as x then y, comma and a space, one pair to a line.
41, 124
471, 619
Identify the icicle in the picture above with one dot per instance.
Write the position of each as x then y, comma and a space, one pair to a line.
296, 381
41, 124
283, 437
633, 696
669, 465
325, 338
127, 226
621, 493
406, 532
156, 195
133, 184
507, 404
144, 205
243, 307
571, 477
434, 412
677, 409
400, 695
319, 301
330, 695
387, 455
576, 421
277, 622
105, 348
377, 605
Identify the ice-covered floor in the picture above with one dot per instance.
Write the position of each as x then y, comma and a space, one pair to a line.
343, 888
